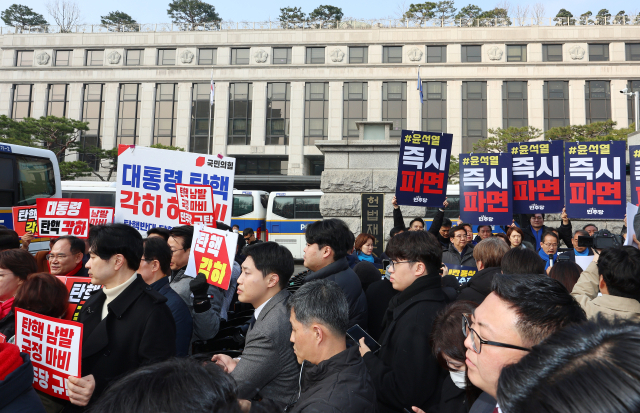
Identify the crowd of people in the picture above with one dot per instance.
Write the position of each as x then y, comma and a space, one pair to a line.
530, 331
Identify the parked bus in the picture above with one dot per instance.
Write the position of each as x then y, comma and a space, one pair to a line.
249, 210
99, 193
288, 214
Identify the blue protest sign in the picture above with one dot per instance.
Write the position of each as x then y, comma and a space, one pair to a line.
634, 174
462, 272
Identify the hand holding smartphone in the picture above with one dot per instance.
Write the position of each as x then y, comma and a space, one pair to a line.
356, 333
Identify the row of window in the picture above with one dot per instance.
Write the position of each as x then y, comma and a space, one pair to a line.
316, 55
316, 109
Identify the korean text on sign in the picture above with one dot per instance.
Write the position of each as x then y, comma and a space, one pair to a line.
195, 203
373, 219
634, 163
595, 179
212, 254
423, 168
461, 272
101, 215
25, 220
486, 189
538, 178
54, 346
80, 289
63, 216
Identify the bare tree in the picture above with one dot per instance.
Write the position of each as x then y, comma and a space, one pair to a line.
505, 5
521, 13
537, 12
401, 9
65, 13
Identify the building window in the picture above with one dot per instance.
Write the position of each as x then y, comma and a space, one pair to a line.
201, 139
436, 54
240, 98
58, 100
315, 55
514, 105
95, 57
597, 100
207, 57
63, 58
128, 114
598, 52
24, 58
281, 55
22, 102
471, 53
164, 128
278, 113
634, 86
166, 57
474, 113
316, 112
394, 106
632, 51
261, 166
556, 104
517, 53
316, 166
552, 53
434, 106
354, 107
392, 54
240, 56
92, 112
358, 55
134, 57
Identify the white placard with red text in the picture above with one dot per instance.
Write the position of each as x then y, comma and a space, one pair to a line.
63, 216
196, 204
212, 253
101, 215
55, 348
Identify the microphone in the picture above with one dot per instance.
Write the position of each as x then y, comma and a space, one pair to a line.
550, 260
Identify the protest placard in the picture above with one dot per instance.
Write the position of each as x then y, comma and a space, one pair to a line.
63, 216
462, 272
79, 289
25, 220
373, 219
634, 173
101, 215
196, 204
212, 254
55, 348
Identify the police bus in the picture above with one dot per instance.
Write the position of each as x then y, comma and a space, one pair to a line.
99, 194
249, 210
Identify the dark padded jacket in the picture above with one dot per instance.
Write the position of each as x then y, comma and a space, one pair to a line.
479, 286
452, 256
17, 394
436, 224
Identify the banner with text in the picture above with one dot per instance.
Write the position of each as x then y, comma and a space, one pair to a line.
25, 220
212, 253
634, 174
196, 204
462, 272
595, 179
538, 179
79, 289
146, 186
423, 168
373, 219
63, 216
486, 189
55, 348
101, 215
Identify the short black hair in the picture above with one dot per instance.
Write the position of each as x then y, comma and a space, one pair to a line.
185, 232
76, 245
484, 225
420, 220
352, 240
322, 301
247, 231
453, 230
543, 305
395, 231
163, 232
581, 232
109, 240
533, 215
270, 257
157, 249
9, 239
620, 269
446, 223
466, 224
332, 233
222, 226
417, 246
522, 261
550, 233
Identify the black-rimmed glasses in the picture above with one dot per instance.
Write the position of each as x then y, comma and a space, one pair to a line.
477, 341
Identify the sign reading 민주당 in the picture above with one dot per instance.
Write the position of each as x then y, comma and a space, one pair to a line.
634, 163
423, 168
538, 178
212, 254
595, 179
147, 178
485, 188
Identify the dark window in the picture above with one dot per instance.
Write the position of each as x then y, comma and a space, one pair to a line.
434, 106
128, 114
22, 102
242, 205
556, 104
598, 52
63, 58
436, 54
36, 179
207, 56
315, 55
166, 57
98, 199
298, 207
58, 100
278, 113
552, 53
514, 104
281, 55
358, 54
394, 106
134, 57
474, 114
24, 58
517, 53
261, 166
471, 53
95, 57
354, 107
164, 128
240, 56
634, 86
240, 99
316, 112
201, 138
316, 166
92, 112
392, 54
597, 100
632, 51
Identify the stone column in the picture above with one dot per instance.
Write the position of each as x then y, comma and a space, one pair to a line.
375, 54
454, 114
5, 103
296, 129
414, 108
535, 104
221, 118
577, 114
297, 55
374, 104
39, 100
259, 114
75, 100
110, 121
494, 104
183, 121
454, 52
335, 110
147, 113
534, 52
619, 111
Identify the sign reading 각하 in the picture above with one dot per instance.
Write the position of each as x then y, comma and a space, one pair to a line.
212, 254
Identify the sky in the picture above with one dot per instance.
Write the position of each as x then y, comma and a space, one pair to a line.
147, 11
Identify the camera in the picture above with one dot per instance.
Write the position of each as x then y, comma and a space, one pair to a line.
625, 90
600, 240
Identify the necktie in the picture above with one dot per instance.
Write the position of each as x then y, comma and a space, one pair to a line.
496, 410
252, 321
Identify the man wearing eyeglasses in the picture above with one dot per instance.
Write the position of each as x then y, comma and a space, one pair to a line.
65, 258
460, 251
534, 228
549, 248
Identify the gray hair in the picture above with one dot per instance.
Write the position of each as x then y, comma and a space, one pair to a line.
322, 301
581, 232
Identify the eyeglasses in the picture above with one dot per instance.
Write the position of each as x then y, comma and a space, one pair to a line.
54, 256
477, 341
550, 245
392, 266
460, 236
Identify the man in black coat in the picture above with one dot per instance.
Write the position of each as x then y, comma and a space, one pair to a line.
533, 228
405, 372
127, 323
488, 255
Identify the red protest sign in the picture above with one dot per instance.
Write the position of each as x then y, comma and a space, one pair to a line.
63, 216
212, 254
80, 289
195, 203
55, 347
25, 220
101, 215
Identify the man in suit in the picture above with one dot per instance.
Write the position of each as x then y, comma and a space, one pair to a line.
268, 368
127, 323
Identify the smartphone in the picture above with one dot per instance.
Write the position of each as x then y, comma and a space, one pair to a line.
356, 333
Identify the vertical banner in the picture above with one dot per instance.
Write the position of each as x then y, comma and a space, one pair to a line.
486, 189
634, 174
55, 348
25, 220
63, 216
423, 168
146, 187
538, 177
373, 219
101, 215
195, 203
595, 179
212, 254
80, 289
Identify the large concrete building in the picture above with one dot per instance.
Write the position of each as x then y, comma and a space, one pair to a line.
278, 91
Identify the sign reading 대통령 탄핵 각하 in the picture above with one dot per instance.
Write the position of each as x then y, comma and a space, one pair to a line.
63, 216
373, 219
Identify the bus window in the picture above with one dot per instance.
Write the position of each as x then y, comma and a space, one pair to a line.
6, 183
36, 179
242, 205
283, 206
264, 200
308, 207
96, 199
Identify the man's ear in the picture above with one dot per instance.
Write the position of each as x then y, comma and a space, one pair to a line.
326, 251
274, 279
318, 333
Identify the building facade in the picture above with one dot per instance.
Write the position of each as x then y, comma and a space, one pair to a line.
278, 91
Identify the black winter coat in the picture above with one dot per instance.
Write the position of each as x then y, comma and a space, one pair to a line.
452, 398
479, 286
339, 384
404, 371
436, 224
378, 296
564, 231
17, 394
340, 273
